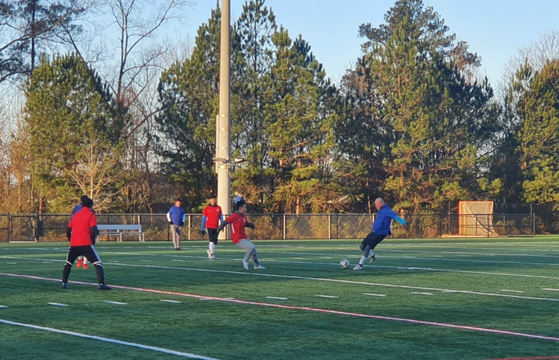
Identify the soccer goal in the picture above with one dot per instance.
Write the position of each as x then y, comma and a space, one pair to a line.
475, 218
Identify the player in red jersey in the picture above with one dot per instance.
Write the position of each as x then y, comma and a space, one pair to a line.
211, 218
82, 231
238, 223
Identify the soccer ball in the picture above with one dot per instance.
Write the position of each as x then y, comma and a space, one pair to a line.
344, 264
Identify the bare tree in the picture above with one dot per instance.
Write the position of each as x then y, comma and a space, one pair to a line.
141, 57
536, 54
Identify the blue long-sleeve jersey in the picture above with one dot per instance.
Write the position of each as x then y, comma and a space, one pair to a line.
381, 226
176, 215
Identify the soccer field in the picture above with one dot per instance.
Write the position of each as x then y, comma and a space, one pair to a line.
422, 299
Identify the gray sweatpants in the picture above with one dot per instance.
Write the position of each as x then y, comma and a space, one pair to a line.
251, 252
176, 233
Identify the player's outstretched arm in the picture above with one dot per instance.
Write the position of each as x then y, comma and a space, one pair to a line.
222, 225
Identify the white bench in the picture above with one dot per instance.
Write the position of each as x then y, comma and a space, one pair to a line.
121, 230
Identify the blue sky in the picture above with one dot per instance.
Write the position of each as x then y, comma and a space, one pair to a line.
494, 29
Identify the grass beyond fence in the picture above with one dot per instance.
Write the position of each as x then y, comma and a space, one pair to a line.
423, 299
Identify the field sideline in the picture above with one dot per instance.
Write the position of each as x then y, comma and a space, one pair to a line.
422, 299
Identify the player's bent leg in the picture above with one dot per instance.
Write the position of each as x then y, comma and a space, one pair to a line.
249, 247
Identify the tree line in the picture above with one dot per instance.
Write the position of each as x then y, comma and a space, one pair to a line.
411, 121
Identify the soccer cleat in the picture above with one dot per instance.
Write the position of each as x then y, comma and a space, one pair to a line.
210, 255
358, 267
373, 258
85, 264
245, 264
64, 286
259, 267
104, 287
80, 262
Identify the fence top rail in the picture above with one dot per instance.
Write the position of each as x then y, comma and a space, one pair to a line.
269, 214
119, 227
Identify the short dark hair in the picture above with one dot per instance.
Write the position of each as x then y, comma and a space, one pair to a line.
86, 201
240, 203
212, 196
178, 199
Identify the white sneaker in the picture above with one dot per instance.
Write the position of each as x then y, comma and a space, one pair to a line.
358, 267
245, 264
373, 258
210, 255
259, 267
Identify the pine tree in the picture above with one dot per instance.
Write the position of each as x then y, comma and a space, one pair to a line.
424, 118
300, 127
71, 135
537, 107
189, 96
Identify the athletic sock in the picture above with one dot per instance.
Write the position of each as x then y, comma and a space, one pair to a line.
362, 261
212, 247
100, 273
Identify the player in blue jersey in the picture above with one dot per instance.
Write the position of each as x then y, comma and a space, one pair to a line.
381, 229
176, 217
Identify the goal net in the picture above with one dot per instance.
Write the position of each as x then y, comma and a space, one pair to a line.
475, 218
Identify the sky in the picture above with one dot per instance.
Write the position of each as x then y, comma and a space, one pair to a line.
494, 29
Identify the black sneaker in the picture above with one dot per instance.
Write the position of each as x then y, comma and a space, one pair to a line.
104, 287
64, 286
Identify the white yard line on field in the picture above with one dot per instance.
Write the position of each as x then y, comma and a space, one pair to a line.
245, 273
115, 302
420, 293
113, 341
285, 307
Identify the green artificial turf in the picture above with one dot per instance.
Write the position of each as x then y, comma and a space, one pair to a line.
402, 307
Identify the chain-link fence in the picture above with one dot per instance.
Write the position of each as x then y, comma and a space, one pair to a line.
52, 227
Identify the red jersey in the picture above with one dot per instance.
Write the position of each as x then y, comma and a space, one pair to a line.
212, 214
81, 223
238, 223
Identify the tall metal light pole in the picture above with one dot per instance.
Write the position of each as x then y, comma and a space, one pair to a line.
223, 119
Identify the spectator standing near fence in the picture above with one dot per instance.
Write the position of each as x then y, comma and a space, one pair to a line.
176, 217
81, 259
82, 231
381, 229
211, 218
238, 223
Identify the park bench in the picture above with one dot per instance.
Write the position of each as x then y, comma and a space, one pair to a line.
120, 230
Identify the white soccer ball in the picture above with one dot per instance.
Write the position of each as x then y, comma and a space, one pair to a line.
344, 264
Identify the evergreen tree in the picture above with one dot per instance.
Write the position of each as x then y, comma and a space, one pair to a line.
423, 117
189, 95
252, 61
300, 127
70, 133
537, 107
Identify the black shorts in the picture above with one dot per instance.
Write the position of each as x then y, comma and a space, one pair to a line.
372, 240
87, 251
212, 235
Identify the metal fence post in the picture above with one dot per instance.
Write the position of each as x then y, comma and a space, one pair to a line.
283, 230
189, 224
329, 226
9, 227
